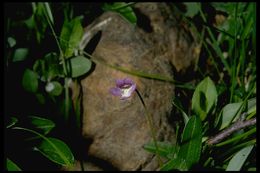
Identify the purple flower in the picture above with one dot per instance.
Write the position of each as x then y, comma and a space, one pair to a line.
124, 88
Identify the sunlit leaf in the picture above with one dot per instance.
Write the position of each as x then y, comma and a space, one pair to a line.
191, 142
20, 54
71, 35
11, 166
43, 124
229, 112
57, 151
30, 81
238, 160
79, 66
204, 98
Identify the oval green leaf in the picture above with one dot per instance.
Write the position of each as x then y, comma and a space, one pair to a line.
20, 54
191, 142
54, 88
238, 160
57, 151
44, 125
11, 166
204, 98
30, 81
79, 66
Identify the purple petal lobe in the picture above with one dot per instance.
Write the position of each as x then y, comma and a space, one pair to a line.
119, 82
115, 91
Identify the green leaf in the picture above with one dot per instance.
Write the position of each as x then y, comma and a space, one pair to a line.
229, 113
49, 67
122, 8
13, 122
204, 98
11, 166
238, 160
79, 66
57, 151
30, 81
71, 35
191, 142
192, 8
165, 149
251, 105
54, 88
20, 54
44, 125
225, 7
176, 163
48, 11
11, 41
40, 97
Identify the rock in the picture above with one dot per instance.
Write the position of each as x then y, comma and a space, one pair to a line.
119, 128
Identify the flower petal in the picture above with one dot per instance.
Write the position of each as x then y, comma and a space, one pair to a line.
115, 91
119, 82
128, 81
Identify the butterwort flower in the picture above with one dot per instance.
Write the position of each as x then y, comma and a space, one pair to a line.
124, 88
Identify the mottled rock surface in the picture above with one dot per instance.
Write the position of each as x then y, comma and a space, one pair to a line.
119, 128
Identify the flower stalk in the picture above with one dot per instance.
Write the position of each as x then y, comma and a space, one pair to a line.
153, 132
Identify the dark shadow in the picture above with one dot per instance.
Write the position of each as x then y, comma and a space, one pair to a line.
143, 21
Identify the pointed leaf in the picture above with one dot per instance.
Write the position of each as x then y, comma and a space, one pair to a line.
229, 112
238, 160
11, 166
30, 81
44, 125
191, 143
165, 149
204, 98
79, 66
176, 163
57, 151
71, 35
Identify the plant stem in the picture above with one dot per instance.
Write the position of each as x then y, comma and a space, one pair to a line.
235, 127
150, 122
64, 68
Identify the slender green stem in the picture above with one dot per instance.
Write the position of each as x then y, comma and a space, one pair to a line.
141, 74
153, 132
64, 68
249, 132
215, 45
124, 6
